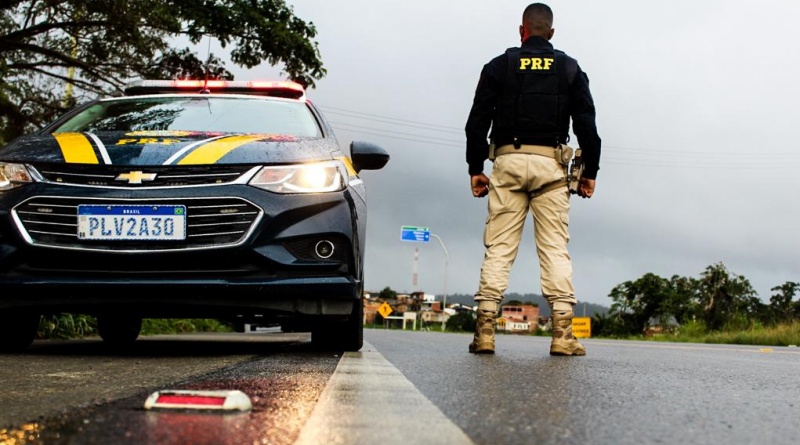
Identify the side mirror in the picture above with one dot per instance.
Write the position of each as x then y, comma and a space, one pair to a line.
367, 156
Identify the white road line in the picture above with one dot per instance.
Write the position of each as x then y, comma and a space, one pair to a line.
369, 401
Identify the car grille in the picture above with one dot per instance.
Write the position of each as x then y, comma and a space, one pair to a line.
138, 177
211, 222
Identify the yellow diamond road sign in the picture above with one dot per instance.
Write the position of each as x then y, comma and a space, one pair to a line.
384, 310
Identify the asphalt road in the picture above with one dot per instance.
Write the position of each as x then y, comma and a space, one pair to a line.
621, 392
403, 387
77, 392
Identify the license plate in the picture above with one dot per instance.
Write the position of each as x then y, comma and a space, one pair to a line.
132, 222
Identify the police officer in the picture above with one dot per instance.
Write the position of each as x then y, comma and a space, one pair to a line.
527, 97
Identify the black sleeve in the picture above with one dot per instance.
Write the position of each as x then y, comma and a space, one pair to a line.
480, 119
583, 124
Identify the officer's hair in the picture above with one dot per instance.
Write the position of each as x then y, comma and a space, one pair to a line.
538, 18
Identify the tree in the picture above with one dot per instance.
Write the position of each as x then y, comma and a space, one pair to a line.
60, 52
685, 302
781, 305
638, 302
607, 325
461, 321
726, 298
387, 294
183, 64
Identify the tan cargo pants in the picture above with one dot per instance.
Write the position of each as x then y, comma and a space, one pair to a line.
513, 181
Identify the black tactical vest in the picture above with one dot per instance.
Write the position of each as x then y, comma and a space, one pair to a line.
533, 107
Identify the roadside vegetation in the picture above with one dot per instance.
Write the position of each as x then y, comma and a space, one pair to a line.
784, 334
717, 307
70, 326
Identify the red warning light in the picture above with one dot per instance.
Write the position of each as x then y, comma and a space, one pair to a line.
281, 88
215, 84
186, 83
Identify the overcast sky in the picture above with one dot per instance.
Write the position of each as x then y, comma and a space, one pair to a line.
695, 106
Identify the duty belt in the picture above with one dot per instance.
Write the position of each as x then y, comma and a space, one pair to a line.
562, 154
541, 150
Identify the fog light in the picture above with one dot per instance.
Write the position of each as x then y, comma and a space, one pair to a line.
324, 249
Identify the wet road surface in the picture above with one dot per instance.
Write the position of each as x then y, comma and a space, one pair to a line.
404, 388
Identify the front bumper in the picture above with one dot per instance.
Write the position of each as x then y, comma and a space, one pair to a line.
320, 296
271, 268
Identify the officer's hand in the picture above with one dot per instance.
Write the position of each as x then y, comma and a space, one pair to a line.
480, 185
586, 188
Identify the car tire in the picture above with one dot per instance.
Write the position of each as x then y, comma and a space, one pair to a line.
17, 330
119, 330
341, 335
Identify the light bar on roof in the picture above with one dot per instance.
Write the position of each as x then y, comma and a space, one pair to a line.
282, 88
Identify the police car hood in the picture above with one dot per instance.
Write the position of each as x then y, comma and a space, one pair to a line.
166, 148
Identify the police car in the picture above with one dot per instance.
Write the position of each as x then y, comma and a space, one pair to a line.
186, 199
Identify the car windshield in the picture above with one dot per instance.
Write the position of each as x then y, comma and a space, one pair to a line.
196, 113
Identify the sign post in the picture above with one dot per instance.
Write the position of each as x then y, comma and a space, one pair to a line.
415, 234
423, 235
385, 310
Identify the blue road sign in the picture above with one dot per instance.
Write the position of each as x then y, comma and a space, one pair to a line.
415, 234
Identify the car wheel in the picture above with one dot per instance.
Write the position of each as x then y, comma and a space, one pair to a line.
119, 330
341, 335
17, 330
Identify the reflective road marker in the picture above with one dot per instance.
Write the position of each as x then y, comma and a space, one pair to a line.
199, 400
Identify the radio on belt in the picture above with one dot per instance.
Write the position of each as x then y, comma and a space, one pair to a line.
222, 400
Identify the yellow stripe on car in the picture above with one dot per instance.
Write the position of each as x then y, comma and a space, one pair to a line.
213, 151
76, 148
349, 165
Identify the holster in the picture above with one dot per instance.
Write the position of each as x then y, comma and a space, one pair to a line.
563, 154
575, 172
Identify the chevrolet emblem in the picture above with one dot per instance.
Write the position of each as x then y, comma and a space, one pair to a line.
136, 177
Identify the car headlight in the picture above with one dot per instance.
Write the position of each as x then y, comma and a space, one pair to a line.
318, 177
13, 176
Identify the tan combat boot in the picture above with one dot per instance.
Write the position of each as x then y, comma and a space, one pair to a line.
483, 341
564, 343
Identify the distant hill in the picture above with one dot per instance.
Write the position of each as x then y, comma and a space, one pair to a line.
582, 309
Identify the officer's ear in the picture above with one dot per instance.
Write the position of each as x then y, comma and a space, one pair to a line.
522, 33
552, 31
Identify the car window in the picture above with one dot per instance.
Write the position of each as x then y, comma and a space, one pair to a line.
196, 113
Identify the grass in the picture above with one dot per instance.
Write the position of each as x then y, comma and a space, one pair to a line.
786, 334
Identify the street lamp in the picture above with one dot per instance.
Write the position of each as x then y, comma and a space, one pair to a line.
423, 234
446, 261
